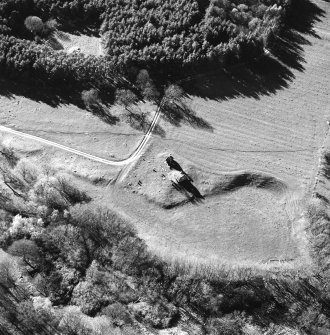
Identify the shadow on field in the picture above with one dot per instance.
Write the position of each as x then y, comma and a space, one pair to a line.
38, 92
103, 113
187, 188
231, 183
225, 185
178, 112
269, 73
254, 79
54, 43
52, 96
140, 120
299, 21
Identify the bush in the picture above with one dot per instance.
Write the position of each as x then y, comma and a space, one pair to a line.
35, 25
90, 97
158, 314
228, 325
118, 314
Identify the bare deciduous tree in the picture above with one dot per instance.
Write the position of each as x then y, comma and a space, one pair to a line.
26, 249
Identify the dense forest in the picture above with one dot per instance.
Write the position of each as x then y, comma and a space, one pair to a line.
162, 35
158, 33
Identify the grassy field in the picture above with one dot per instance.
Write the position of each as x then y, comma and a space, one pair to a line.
274, 124
89, 45
72, 126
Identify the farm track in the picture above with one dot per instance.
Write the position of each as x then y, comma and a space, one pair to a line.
137, 152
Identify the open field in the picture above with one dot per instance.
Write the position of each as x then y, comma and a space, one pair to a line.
275, 128
89, 45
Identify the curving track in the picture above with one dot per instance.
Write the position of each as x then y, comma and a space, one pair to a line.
122, 162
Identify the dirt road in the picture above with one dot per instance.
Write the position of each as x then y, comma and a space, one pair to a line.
122, 162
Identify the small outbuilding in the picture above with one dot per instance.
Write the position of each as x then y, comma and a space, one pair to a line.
177, 177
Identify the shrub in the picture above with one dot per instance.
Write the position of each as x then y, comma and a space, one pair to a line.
227, 325
173, 93
34, 24
118, 314
90, 97
158, 314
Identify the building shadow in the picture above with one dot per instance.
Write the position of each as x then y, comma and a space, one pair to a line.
190, 191
184, 183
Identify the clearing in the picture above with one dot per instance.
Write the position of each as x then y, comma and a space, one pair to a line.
89, 45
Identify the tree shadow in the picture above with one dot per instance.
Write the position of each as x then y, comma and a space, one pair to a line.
262, 77
54, 43
288, 49
139, 120
303, 15
92, 30
178, 112
269, 73
300, 19
61, 35
103, 113
38, 91
53, 96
